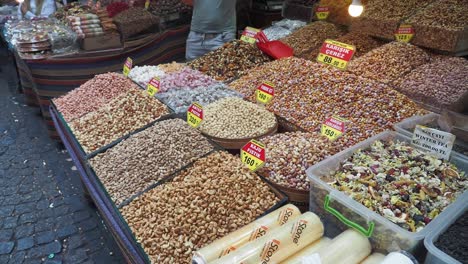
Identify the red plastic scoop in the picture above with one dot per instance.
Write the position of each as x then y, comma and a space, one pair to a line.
275, 49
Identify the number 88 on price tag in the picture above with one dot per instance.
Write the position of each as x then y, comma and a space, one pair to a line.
253, 155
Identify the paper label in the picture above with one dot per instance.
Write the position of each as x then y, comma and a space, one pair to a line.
227, 251
284, 216
433, 141
333, 128
147, 3
297, 230
259, 232
195, 115
153, 86
249, 35
322, 12
269, 249
311, 259
253, 155
127, 66
265, 92
336, 53
404, 33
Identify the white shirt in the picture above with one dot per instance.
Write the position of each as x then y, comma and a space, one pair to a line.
48, 8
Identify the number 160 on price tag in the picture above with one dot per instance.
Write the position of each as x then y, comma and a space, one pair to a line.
253, 155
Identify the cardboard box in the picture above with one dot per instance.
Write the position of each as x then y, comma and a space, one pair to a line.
107, 41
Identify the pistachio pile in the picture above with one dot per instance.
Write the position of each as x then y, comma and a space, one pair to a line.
214, 197
234, 118
148, 156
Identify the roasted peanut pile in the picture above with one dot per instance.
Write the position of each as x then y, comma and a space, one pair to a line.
291, 153
311, 36
122, 115
234, 118
307, 93
147, 157
93, 94
442, 83
232, 60
216, 196
389, 61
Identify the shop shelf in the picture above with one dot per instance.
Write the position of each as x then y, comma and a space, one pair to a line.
340, 212
435, 255
298, 12
406, 127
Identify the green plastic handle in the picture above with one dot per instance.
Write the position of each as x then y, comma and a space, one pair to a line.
367, 232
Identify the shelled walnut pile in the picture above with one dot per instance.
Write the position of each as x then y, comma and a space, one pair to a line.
122, 115
232, 60
147, 157
214, 197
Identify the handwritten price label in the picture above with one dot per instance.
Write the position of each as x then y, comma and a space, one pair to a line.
253, 155
265, 92
333, 128
249, 35
195, 115
127, 66
404, 33
322, 12
336, 53
153, 86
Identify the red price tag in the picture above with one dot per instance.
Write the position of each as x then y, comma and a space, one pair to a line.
127, 66
253, 155
153, 86
336, 53
333, 127
322, 12
195, 115
404, 33
249, 35
265, 92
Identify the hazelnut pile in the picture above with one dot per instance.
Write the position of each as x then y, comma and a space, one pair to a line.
232, 60
93, 94
214, 197
234, 118
389, 61
135, 20
148, 156
122, 115
441, 84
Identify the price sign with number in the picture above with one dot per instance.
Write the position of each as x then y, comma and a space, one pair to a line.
153, 86
253, 155
127, 66
195, 115
404, 33
249, 35
322, 12
336, 53
333, 127
265, 92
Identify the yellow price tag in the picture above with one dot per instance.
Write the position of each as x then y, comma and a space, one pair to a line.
127, 66
322, 12
249, 35
404, 33
336, 53
265, 92
195, 115
333, 128
153, 86
253, 155
147, 3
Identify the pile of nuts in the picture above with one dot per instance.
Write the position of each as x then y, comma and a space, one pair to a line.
442, 84
214, 197
171, 67
310, 37
143, 74
185, 78
440, 25
232, 60
389, 61
122, 115
135, 20
234, 118
168, 7
308, 93
93, 94
290, 154
179, 100
147, 157
382, 18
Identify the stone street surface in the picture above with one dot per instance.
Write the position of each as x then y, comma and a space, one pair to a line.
44, 216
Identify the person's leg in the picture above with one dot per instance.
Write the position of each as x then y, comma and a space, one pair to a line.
219, 40
195, 47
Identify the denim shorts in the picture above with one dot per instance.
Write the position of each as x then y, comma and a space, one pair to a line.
199, 44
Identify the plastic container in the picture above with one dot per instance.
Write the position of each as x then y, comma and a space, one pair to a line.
435, 255
406, 127
339, 211
298, 12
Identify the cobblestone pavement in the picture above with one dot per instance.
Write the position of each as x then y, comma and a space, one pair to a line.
44, 216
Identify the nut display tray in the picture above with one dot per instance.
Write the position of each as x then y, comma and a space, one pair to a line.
339, 211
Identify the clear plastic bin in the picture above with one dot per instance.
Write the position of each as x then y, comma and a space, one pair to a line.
406, 127
435, 255
340, 212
